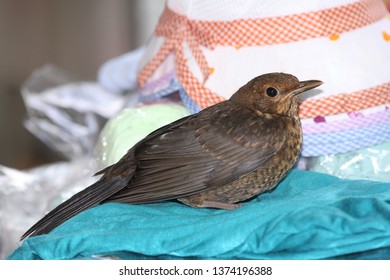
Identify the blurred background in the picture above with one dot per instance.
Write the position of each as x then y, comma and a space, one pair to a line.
77, 36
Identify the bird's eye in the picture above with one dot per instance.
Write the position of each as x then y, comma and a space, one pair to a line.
272, 92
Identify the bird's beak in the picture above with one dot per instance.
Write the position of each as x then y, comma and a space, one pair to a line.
305, 86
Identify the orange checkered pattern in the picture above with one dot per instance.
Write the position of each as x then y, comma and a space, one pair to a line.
178, 30
296, 27
348, 102
202, 95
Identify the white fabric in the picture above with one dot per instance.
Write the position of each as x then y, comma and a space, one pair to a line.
237, 9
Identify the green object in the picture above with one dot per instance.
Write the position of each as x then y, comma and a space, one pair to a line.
131, 125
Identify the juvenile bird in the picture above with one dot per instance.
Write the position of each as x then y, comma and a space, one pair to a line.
226, 153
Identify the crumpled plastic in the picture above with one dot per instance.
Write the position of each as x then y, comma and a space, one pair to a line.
372, 163
65, 114
26, 196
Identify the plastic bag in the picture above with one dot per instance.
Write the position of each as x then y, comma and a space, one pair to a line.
25, 196
64, 114
372, 163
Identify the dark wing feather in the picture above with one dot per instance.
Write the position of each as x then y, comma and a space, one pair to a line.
209, 150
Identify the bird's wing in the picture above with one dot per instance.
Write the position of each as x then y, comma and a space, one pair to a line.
205, 151
114, 178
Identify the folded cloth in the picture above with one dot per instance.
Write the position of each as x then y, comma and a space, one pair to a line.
118, 75
308, 216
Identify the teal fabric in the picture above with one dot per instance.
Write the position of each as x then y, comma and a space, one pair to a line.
309, 216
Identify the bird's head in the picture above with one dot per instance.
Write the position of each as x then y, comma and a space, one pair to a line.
273, 93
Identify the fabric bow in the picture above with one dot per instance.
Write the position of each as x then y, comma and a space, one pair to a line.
179, 31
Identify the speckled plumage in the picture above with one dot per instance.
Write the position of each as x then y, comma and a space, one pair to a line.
222, 155
260, 180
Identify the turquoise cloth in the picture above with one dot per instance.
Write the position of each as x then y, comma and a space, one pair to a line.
309, 216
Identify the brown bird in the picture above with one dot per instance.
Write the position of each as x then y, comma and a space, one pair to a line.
227, 153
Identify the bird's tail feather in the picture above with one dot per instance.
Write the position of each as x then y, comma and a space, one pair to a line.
89, 197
